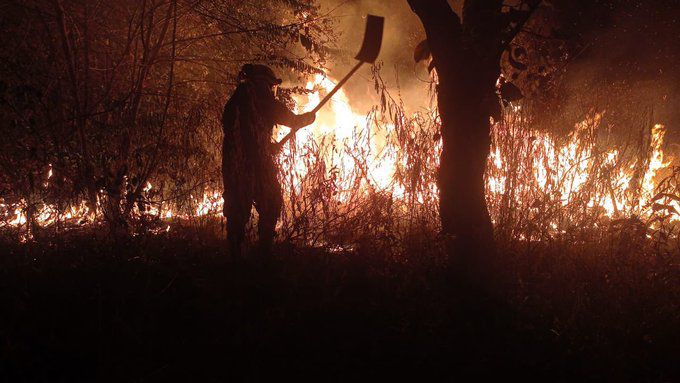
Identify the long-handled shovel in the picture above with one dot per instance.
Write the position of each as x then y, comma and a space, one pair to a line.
367, 54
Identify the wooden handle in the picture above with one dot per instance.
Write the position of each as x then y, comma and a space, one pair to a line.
323, 102
337, 87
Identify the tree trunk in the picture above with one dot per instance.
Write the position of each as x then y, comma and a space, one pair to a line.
465, 130
465, 81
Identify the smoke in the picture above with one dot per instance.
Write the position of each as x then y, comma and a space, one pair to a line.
625, 65
625, 43
403, 31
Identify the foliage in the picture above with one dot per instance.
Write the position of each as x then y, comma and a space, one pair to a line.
109, 96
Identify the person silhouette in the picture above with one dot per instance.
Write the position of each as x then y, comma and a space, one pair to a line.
249, 167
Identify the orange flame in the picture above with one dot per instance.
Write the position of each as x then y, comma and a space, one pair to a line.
354, 141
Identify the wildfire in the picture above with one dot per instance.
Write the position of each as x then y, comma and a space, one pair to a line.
343, 131
359, 157
578, 172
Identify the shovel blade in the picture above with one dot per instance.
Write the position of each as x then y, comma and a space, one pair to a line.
372, 39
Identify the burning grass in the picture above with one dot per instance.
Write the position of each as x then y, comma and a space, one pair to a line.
588, 264
351, 176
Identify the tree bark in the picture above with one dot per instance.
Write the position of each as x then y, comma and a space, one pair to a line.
464, 81
466, 56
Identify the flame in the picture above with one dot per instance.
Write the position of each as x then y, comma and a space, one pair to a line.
19, 218
656, 163
210, 203
360, 157
339, 127
565, 169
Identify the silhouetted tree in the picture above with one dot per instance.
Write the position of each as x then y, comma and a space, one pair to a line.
466, 55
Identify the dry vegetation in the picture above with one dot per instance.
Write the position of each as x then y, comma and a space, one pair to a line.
173, 306
586, 293
586, 279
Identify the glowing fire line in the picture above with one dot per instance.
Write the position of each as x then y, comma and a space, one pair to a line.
564, 169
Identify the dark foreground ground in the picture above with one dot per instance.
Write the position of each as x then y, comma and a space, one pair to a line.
175, 308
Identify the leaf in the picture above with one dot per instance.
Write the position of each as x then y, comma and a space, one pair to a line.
422, 51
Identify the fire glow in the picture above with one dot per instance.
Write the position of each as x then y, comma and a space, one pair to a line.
340, 129
565, 170
360, 157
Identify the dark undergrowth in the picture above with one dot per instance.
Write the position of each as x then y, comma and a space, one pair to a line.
177, 308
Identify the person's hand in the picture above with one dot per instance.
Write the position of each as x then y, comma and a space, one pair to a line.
308, 118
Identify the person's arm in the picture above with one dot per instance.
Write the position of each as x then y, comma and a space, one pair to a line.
284, 116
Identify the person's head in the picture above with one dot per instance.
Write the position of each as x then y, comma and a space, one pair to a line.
261, 75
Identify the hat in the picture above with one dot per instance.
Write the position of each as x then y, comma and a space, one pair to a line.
258, 71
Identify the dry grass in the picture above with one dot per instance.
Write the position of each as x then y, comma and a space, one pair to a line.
580, 186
